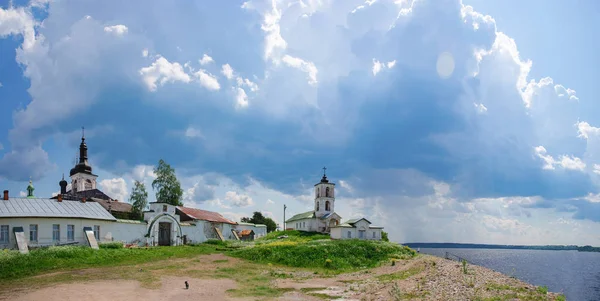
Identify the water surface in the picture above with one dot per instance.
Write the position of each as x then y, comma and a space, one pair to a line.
575, 274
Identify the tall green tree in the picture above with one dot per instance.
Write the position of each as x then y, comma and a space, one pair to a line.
138, 198
384, 236
259, 218
167, 187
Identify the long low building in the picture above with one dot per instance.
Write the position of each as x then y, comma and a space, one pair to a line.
48, 222
65, 218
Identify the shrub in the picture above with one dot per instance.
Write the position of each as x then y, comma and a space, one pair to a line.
216, 242
111, 245
542, 289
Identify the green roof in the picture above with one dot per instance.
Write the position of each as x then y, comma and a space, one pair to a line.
305, 215
356, 220
129, 221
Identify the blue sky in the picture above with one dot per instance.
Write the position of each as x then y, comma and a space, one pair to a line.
468, 121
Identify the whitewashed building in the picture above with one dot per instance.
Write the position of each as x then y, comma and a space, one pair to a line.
323, 218
61, 220
359, 228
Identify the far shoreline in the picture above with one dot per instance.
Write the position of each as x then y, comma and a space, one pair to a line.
424, 245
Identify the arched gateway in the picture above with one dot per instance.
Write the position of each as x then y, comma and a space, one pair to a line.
164, 228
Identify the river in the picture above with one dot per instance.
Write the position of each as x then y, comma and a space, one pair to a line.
575, 274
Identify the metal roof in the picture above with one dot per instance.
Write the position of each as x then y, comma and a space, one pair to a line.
300, 216
199, 214
28, 207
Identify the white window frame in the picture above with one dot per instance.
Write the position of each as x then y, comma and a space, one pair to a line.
349, 234
303, 225
70, 232
4, 234
361, 234
374, 234
33, 232
56, 232
97, 232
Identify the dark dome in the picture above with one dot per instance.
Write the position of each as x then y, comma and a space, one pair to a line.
81, 168
63, 183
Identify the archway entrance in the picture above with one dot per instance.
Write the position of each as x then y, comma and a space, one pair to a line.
164, 234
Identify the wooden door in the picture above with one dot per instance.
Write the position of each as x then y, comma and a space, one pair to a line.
164, 234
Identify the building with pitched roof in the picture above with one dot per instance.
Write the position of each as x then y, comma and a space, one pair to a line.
360, 228
323, 218
64, 218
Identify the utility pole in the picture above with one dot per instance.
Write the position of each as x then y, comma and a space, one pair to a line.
284, 207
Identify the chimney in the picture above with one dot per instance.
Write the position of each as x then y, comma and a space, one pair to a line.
83, 200
6, 195
59, 198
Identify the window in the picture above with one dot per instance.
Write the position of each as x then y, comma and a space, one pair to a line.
373, 234
303, 225
327, 205
4, 234
327, 192
349, 234
88, 184
165, 208
97, 232
70, 232
317, 192
317, 206
361, 234
55, 232
33, 232
74, 186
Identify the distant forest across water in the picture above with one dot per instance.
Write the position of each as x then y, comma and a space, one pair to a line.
511, 247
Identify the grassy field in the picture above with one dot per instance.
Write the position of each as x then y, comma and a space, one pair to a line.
14, 265
299, 249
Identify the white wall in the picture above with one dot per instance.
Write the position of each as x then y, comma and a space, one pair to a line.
303, 225
124, 232
195, 233
45, 229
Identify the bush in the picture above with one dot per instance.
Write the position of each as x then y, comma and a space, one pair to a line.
111, 245
216, 242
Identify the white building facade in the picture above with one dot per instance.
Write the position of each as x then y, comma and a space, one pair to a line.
356, 229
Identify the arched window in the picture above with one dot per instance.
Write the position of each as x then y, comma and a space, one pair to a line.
74, 188
327, 192
317, 192
88, 184
327, 207
317, 206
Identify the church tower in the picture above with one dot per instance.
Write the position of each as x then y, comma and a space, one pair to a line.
324, 196
82, 177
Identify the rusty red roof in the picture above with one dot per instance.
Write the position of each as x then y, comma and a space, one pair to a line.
246, 232
204, 215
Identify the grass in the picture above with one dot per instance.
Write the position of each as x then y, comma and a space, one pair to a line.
401, 275
507, 292
308, 250
14, 265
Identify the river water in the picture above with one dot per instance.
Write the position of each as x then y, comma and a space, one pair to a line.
575, 274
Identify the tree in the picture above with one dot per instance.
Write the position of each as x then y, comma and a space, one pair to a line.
384, 236
167, 187
259, 218
138, 198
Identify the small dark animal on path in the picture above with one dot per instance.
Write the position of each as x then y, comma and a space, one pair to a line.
187, 285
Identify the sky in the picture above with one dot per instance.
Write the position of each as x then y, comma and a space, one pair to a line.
443, 121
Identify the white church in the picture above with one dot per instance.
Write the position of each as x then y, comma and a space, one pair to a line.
324, 219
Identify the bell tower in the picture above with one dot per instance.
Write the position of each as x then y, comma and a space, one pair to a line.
324, 196
82, 177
